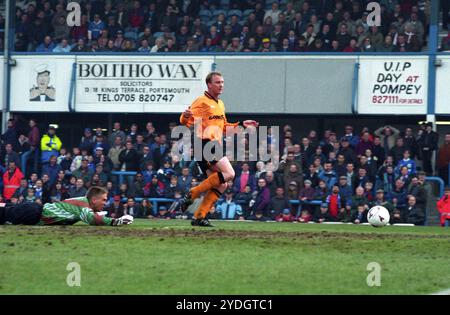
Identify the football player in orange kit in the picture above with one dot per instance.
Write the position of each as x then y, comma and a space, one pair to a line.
208, 113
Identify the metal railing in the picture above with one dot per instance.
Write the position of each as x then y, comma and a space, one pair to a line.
156, 201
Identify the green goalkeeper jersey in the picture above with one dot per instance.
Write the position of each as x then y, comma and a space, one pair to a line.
71, 211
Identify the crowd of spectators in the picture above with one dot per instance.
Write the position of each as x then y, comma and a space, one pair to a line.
221, 26
335, 177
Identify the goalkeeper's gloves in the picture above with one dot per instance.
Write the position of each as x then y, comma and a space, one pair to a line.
123, 220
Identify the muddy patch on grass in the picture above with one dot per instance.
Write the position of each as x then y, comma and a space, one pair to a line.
177, 232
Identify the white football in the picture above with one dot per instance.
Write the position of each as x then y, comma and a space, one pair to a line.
378, 216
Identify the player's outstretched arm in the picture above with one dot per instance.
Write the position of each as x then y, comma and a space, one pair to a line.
92, 218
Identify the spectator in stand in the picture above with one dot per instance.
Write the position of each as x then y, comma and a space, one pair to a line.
306, 195
443, 206
228, 209
117, 132
397, 150
356, 200
11, 180
87, 140
380, 200
328, 175
417, 189
408, 162
411, 143
388, 136
322, 214
428, 142
378, 151
345, 190
50, 145
336, 206
132, 208
61, 30
96, 28
80, 31
362, 178
21, 192
9, 155
414, 213
129, 159
387, 180
364, 144
292, 190
84, 172
10, 135
352, 139
294, 175
51, 169
245, 178
58, 193
47, 45
262, 198
347, 151
115, 151
278, 203
155, 188
361, 215
443, 159
115, 210
321, 192
273, 12
387, 46
273, 180
100, 143
285, 216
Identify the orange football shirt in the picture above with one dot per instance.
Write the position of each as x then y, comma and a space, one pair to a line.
211, 112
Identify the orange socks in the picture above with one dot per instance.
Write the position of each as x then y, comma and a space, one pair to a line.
213, 180
210, 198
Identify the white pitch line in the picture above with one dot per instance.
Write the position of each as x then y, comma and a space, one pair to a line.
443, 292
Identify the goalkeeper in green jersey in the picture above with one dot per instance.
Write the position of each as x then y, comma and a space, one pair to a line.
65, 212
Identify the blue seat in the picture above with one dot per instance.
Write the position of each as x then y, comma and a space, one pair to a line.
234, 12
130, 35
158, 34
219, 11
206, 13
224, 4
205, 19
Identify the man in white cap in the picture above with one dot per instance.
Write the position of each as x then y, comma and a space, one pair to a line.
42, 92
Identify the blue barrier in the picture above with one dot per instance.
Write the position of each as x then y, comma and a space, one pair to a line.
121, 175
439, 181
155, 202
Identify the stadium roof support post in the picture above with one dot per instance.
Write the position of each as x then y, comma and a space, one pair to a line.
433, 38
6, 49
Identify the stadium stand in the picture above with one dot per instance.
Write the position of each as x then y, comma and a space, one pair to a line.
136, 165
102, 20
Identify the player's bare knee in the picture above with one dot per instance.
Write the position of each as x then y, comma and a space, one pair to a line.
230, 175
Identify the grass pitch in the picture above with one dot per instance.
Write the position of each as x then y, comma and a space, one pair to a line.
171, 257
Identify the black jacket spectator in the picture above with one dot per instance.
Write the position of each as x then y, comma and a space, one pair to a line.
276, 206
415, 215
129, 159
